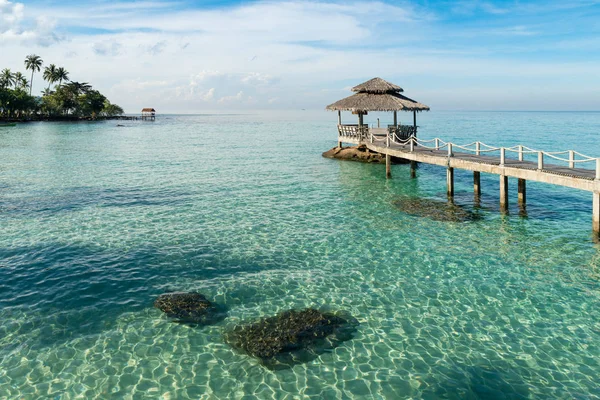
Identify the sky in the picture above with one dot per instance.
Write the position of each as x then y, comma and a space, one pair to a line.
220, 56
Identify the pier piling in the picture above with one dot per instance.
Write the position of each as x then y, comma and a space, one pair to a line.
450, 181
477, 183
413, 169
503, 192
596, 213
522, 189
388, 166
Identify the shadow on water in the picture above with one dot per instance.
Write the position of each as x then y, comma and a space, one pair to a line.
80, 290
479, 383
537, 210
293, 337
438, 210
81, 197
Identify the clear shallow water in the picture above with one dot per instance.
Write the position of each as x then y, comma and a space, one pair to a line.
98, 220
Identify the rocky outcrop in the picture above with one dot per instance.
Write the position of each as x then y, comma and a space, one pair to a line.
355, 153
189, 308
360, 153
292, 337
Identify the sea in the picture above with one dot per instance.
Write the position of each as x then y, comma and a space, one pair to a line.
453, 300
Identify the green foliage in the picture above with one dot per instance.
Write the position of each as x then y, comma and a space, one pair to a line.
111, 110
14, 103
71, 100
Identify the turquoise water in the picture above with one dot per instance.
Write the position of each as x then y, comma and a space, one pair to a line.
97, 220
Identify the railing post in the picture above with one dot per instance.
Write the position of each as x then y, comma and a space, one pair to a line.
477, 148
571, 159
449, 149
502, 156
540, 160
520, 152
412, 144
437, 143
387, 143
597, 169
371, 136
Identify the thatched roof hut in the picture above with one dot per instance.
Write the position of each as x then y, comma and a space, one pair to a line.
377, 95
148, 113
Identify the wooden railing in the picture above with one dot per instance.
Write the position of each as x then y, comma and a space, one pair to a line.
402, 132
353, 131
480, 148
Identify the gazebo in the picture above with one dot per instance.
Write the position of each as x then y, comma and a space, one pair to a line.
148, 113
376, 95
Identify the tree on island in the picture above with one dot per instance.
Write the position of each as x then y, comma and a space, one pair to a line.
34, 63
6, 79
50, 75
73, 100
61, 75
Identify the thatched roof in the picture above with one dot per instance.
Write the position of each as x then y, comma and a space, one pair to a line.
377, 85
148, 110
377, 95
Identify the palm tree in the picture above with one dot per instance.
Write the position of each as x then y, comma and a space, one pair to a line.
20, 81
34, 63
50, 75
47, 92
79, 87
7, 79
61, 75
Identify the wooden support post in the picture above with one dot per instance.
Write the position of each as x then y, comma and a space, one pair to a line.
415, 121
540, 160
522, 189
571, 159
503, 192
450, 181
477, 183
396, 119
596, 213
339, 117
502, 156
413, 169
388, 166
477, 148
520, 152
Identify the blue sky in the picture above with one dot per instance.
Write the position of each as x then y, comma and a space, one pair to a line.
191, 56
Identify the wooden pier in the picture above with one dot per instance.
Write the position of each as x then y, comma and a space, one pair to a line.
401, 141
506, 162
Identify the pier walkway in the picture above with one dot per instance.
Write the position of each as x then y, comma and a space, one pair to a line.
564, 168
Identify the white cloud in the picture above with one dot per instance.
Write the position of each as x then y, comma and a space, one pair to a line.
107, 47
231, 99
259, 53
14, 27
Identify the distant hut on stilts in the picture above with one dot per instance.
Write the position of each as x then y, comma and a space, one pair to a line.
149, 113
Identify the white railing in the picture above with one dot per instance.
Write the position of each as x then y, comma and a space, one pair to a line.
479, 148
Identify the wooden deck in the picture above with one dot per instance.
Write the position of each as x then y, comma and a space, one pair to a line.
506, 164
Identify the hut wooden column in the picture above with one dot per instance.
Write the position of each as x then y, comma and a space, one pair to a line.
396, 118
